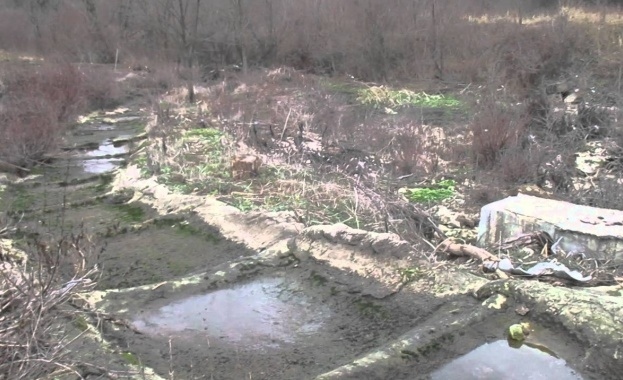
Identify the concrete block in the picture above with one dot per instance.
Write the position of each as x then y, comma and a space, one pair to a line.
596, 232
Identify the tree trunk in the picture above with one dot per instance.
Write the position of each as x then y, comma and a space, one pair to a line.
437, 53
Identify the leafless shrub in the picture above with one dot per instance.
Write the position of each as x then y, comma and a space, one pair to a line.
39, 101
414, 151
518, 165
33, 305
494, 129
32, 130
158, 77
100, 89
556, 174
594, 121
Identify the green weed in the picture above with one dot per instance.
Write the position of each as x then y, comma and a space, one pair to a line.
80, 323
205, 133
17, 198
431, 194
381, 96
186, 229
244, 204
317, 279
342, 87
410, 274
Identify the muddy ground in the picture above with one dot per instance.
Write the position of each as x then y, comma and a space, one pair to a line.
193, 288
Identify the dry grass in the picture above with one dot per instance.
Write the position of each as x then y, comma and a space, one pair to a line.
35, 297
321, 180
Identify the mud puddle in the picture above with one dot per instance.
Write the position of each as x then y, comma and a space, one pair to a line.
105, 158
292, 323
498, 360
481, 351
265, 313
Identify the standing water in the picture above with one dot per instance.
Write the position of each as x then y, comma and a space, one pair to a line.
497, 360
264, 313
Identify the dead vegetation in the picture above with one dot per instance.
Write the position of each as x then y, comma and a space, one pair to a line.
38, 291
39, 102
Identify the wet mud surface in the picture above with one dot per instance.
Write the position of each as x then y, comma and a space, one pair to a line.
278, 324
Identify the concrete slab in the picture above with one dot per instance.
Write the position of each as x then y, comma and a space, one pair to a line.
596, 232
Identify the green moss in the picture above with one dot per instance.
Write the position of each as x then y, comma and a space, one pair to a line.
409, 354
130, 213
104, 183
130, 358
370, 309
317, 280
184, 228
17, 198
342, 87
205, 133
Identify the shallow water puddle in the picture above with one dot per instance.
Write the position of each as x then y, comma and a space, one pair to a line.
497, 360
107, 150
263, 313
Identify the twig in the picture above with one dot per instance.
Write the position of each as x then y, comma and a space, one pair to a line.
285, 125
15, 166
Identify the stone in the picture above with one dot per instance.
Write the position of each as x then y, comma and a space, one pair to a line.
245, 166
595, 232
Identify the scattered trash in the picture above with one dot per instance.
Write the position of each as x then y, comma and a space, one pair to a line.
546, 268
538, 241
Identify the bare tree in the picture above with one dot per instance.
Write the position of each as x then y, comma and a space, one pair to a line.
240, 34
437, 50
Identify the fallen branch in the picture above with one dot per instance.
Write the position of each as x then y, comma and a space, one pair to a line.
465, 250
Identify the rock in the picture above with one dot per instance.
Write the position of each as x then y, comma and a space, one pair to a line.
447, 217
245, 166
598, 233
573, 98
